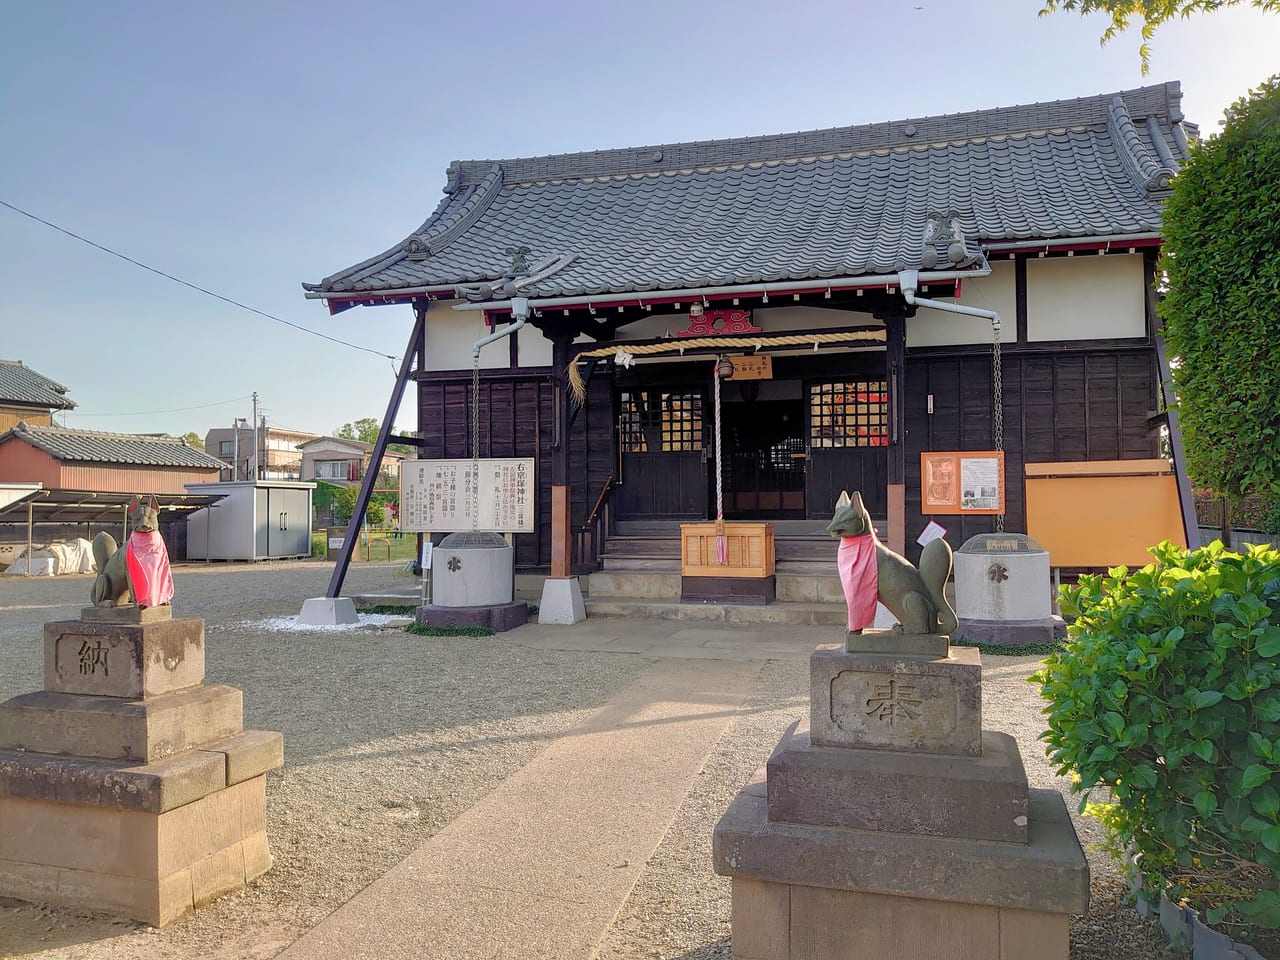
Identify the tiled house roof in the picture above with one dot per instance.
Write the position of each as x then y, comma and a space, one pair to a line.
89, 446
20, 384
842, 202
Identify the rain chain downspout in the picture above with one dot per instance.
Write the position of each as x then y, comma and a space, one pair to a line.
520, 312
908, 280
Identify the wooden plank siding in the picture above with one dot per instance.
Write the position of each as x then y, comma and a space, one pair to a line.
1065, 405
517, 420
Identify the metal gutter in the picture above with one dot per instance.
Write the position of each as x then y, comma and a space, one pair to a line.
604, 300
520, 310
908, 281
1117, 240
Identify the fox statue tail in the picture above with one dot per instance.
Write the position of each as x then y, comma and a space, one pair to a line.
935, 570
104, 547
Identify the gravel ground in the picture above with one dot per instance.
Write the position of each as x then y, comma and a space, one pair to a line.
389, 736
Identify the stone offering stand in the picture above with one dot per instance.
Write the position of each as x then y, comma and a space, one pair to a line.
127, 785
893, 825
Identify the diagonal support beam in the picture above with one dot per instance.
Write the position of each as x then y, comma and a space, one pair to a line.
379, 448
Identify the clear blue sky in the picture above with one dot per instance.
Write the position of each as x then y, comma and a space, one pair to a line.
249, 146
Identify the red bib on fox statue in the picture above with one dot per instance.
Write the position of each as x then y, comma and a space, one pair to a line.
860, 579
150, 580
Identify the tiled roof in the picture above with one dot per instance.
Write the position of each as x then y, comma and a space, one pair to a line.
89, 446
21, 384
831, 203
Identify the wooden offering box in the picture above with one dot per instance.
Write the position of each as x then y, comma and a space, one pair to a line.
750, 550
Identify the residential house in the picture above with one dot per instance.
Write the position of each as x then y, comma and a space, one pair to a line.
64, 459
278, 457
27, 396
336, 460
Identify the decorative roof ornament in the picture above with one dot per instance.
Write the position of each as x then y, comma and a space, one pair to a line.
417, 248
943, 230
519, 265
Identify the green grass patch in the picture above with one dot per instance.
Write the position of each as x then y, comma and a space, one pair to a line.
390, 609
1012, 650
423, 630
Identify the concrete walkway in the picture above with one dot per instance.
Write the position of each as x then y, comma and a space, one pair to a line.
541, 866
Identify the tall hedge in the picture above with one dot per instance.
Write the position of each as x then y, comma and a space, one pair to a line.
1222, 307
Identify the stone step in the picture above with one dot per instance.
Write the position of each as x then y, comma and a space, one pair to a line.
809, 614
657, 584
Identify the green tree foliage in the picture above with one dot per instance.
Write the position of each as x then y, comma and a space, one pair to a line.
1149, 13
365, 430
1222, 308
194, 439
1168, 698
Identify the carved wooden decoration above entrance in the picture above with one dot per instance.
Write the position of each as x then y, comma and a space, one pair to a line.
720, 322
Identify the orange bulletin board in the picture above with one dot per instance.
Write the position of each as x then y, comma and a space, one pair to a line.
962, 481
1103, 513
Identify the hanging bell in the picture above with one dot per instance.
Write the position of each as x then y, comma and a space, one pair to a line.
724, 368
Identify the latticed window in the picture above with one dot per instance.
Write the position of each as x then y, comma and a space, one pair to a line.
652, 421
852, 413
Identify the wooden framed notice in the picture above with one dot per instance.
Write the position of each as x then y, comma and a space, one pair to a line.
443, 496
962, 481
756, 367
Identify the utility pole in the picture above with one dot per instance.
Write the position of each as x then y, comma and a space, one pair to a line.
255, 435
235, 449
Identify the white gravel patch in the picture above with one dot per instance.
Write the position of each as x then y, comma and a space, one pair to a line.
367, 621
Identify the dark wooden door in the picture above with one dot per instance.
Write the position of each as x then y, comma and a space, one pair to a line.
662, 454
764, 459
848, 433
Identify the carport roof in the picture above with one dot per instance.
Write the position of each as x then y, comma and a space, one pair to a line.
88, 506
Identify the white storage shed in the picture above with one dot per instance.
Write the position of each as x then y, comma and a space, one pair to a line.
263, 520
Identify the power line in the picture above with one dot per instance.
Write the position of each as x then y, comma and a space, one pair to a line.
193, 286
147, 413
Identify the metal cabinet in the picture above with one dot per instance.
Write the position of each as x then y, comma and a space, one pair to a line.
253, 521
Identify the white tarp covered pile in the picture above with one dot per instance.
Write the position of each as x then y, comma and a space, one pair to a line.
57, 558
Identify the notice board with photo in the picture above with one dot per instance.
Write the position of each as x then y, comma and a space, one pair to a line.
962, 482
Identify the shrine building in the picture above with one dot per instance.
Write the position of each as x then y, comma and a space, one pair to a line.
819, 272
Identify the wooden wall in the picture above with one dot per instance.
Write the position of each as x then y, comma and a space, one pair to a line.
1059, 405
516, 420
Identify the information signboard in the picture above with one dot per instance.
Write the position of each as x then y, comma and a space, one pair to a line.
962, 481
441, 496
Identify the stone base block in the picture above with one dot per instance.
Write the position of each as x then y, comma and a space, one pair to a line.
107, 728
929, 645
755, 591
328, 611
561, 601
500, 617
149, 867
895, 702
979, 798
129, 613
1011, 632
152, 787
1048, 875
127, 660
783, 921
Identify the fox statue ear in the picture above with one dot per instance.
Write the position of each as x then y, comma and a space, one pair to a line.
843, 501
857, 498
133, 504
155, 504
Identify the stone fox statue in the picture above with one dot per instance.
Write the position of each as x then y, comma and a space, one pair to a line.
140, 567
870, 570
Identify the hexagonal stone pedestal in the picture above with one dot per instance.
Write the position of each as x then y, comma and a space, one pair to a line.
127, 785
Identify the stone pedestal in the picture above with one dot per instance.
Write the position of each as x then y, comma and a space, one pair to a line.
892, 824
127, 785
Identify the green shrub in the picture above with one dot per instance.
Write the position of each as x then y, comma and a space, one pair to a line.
1168, 696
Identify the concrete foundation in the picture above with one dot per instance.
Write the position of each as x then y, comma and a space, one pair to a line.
561, 601
500, 617
1011, 632
134, 789
328, 611
895, 826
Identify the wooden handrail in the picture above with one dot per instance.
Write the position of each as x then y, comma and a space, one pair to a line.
595, 511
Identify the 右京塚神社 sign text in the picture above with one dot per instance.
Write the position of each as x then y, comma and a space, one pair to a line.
442, 496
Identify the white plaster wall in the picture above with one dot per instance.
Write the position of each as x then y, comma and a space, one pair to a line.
934, 328
534, 349
1085, 297
451, 335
